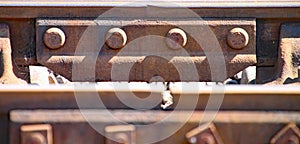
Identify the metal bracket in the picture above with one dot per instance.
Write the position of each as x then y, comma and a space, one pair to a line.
120, 134
95, 46
290, 134
36, 134
204, 135
6, 68
286, 68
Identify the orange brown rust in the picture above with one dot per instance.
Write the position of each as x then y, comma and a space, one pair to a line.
148, 58
36, 134
290, 134
237, 38
34, 138
285, 70
8, 76
202, 135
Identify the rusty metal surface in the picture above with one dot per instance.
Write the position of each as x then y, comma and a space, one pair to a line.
234, 127
144, 64
6, 66
286, 68
288, 134
34, 97
120, 134
204, 135
36, 134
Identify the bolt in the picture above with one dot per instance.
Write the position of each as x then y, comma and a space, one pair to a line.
237, 38
176, 38
54, 38
116, 38
207, 138
35, 138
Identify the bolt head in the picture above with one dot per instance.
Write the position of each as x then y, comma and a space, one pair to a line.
54, 38
176, 38
116, 38
237, 38
35, 138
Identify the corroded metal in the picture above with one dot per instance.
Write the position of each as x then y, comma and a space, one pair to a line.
36, 134
116, 38
34, 138
54, 38
285, 70
232, 126
120, 134
6, 66
237, 38
290, 134
145, 56
206, 134
176, 38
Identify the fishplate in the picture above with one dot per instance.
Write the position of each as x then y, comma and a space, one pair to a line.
139, 50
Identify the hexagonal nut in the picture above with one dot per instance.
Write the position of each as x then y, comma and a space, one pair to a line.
237, 38
176, 38
54, 38
116, 38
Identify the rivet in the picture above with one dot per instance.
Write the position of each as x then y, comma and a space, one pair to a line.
176, 38
237, 38
54, 38
116, 38
35, 138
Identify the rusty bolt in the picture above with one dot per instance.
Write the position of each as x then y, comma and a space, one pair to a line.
176, 38
35, 138
116, 38
54, 38
237, 38
207, 138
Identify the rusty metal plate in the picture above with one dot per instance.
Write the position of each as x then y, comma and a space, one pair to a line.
81, 45
234, 127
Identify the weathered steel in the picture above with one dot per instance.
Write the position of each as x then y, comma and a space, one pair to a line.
289, 134
116, 38
120, 134
50, 97
232, 126
146, 55
237, 38
54, 38
204, 135
6, 66
286, 68
36, 134
176, 38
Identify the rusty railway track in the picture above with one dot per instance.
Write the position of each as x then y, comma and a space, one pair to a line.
84, 42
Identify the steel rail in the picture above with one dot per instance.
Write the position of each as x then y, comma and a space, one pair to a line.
135, 116
285, 98
161, 3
